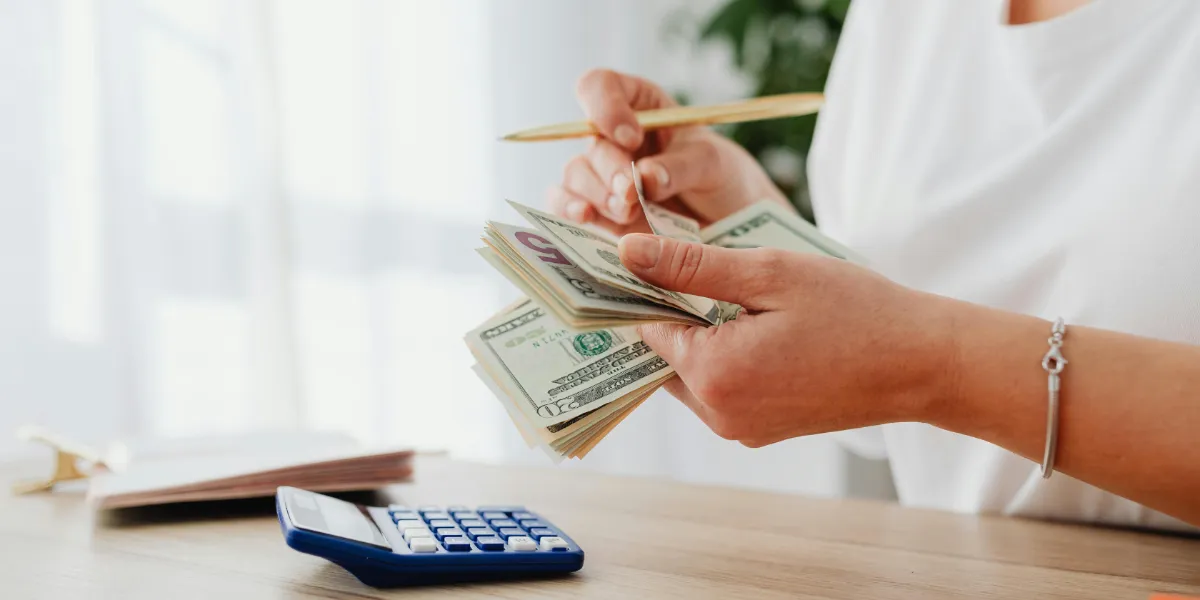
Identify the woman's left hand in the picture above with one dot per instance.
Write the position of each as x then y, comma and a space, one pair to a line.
822, 345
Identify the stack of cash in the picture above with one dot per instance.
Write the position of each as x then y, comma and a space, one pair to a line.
567, 362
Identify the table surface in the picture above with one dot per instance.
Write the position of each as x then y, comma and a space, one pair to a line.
643, 538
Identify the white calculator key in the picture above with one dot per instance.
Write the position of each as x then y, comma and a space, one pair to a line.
402, 525
422, 545
413, 532
550, 543
521, 543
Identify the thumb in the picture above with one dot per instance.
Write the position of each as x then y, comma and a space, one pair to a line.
610, 100
748, 277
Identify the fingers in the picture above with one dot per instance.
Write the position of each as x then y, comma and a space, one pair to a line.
613, 166
581, 179
690, 166
756, 278
565, 203
610, 99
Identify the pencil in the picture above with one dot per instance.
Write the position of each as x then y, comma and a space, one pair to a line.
755, 109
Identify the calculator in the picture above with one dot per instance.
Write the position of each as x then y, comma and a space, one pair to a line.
401, 545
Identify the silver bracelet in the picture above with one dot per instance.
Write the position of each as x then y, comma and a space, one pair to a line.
1053, 363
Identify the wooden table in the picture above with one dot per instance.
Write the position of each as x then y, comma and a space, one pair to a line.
643, 538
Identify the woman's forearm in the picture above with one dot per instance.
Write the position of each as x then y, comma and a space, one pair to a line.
1129, 418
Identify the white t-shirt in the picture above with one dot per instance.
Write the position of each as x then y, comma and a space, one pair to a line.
1049, 169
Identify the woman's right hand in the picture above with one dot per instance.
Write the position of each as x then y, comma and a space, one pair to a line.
696, 171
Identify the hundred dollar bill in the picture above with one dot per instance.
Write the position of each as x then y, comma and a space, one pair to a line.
554, 373
597, 255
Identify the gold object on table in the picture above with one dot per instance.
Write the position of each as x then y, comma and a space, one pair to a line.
755, 109
67, 456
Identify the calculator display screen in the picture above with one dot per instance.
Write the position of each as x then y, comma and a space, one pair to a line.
322, 514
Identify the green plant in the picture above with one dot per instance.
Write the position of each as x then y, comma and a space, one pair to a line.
781, 46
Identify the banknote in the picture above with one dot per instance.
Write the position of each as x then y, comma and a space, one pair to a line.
566, 362
596, 253
768, 224
554, 373
662, 221
576, 294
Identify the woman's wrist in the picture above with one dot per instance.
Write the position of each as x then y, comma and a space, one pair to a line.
991, 384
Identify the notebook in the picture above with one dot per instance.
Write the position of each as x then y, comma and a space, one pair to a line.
162, 471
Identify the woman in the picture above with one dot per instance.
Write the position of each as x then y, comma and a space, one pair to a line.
1014, 162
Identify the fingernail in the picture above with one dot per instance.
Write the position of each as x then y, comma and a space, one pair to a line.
618, 207
620, 185
576, 210
640, 249
660, 174
625, 136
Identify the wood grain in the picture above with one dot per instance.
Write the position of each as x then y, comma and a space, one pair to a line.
644, 538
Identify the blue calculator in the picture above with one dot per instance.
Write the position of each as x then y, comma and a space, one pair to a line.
400, 545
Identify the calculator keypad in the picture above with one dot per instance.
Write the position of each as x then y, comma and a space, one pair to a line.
432, 529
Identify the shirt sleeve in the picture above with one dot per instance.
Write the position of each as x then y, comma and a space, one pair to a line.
866, 442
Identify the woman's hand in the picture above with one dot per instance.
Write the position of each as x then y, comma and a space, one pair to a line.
823, 344
700, 173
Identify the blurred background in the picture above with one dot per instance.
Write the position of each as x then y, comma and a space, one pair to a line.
223, 216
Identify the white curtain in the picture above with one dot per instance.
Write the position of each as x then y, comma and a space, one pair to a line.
230, 215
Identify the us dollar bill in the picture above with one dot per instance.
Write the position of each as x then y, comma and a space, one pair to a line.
597, 254
768, 224
553, 373
569, 290
662, 221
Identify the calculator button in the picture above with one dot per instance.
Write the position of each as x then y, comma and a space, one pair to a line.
405, 516
523, 515
553, 544
429, 508
457, 544
438, 523
398, 508
530, 524
494, 515
411, 534
402, 525
490, 544
469, 523
520, 543
445, 532
508, 532
498, 523
465, 515
538, 533
478, 532
456, 508
436, 516
422, 545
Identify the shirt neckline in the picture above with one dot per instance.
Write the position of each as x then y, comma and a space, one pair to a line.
1087, 29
